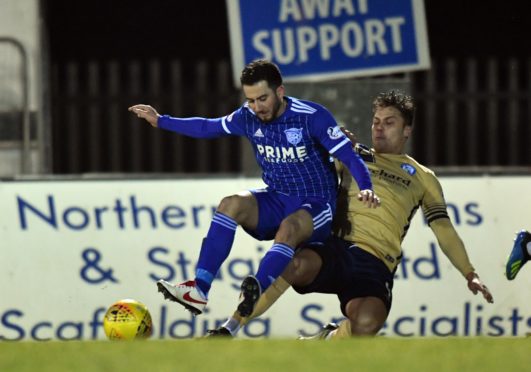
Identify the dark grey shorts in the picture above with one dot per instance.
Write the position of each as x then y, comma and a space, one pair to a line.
350, 272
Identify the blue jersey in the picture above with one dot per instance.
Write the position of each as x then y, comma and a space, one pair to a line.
293, 150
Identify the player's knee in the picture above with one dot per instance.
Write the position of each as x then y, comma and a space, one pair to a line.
294, 273
293, 231
364, 325
286, 231
303, 268
233, 206
367, 315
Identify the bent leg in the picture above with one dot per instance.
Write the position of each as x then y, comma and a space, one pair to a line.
242, 208
266, 300
366, 316
234, 210
293, 230
301, 271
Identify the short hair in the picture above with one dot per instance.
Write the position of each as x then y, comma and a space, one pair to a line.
399, 100
261, 70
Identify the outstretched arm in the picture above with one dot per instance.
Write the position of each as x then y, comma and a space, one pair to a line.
193, 127
454, 249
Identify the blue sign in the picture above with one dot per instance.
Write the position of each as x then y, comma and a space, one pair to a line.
314, 40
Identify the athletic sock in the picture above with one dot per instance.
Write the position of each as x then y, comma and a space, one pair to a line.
268, 298
214, 250
273, 264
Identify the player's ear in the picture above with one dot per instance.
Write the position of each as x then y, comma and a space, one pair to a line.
281, 91
407, 131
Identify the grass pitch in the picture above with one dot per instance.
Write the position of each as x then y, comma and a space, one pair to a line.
371, 354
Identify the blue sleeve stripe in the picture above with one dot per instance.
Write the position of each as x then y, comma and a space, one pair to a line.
302, 111
302, 106
340, 144
224, 125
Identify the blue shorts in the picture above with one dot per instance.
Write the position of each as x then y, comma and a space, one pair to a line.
350, 272
273, 207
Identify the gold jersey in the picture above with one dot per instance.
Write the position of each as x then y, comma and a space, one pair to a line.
403, 186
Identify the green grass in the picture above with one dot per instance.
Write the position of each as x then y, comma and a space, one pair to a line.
374, 354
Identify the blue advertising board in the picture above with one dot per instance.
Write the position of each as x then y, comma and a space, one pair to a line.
312, 40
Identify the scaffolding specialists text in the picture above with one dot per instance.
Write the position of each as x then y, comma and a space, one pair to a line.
470, 321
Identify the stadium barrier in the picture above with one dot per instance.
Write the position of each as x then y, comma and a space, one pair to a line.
72, 247
471, 112
15, 116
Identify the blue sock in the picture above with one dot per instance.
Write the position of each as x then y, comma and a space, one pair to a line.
214, 250
273, 264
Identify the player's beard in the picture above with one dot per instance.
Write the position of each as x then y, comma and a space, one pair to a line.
277, 106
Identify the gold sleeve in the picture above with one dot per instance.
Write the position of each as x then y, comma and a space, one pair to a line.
452, 245
339, 166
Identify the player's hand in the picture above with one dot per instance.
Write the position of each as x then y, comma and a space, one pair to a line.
475, 285
351, 136
146, 112
369, 198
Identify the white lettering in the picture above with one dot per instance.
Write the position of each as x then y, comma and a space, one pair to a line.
343, 5
289, 55
298, 10
329, 36
310, 6
374, 33
289, 8
395, 23
363, 7
306, 39
355, 48
301, 152
282, 154
270, 151
260, 45
353, 39
288, 153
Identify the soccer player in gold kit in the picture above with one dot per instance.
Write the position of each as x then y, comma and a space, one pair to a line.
358, 262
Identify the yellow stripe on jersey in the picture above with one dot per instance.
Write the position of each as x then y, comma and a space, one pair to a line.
403, 186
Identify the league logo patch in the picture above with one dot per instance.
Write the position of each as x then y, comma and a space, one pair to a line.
294, 135
334, 133
408, 168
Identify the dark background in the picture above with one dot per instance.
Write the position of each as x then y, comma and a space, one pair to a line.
198, 29
92, 132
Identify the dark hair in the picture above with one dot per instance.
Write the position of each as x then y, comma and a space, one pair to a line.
399, 100
261, 70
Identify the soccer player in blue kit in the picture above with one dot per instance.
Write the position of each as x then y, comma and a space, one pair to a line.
292, 140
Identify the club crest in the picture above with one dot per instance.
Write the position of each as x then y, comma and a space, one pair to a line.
408, 168
334, 133
294, 135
